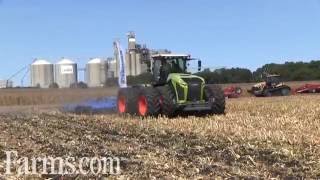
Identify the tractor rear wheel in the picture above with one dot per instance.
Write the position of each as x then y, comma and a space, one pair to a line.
148, 102
215, 96
167, 100
285, 92
126, 101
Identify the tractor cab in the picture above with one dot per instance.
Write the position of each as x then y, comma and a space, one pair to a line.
165, 64
272, 80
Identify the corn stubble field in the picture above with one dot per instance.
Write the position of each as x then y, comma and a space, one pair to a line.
257, 138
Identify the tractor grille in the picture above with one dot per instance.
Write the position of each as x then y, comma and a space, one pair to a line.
194, 89
180, 92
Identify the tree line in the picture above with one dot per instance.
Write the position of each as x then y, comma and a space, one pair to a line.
289, 71
292, 71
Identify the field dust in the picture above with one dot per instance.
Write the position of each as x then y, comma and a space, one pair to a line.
257, 138
29, 97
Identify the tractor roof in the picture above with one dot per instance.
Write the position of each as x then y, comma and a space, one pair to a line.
273, 75
164, 56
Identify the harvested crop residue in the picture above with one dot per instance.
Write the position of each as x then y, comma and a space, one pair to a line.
266, 137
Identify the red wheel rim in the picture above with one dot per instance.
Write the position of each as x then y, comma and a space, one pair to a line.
122, 104
161, 100
142, 105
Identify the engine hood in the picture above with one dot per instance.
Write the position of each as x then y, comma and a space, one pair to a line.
178, 77
259, 85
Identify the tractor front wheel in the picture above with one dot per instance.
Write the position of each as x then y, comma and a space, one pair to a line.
215, 96
167, 100
285, 92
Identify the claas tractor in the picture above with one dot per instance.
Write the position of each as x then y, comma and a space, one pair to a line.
272, 86
174, 91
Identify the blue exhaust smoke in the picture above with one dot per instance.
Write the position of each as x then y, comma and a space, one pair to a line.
92, 106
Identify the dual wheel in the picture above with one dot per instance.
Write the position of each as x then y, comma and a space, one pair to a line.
152, 101
142, 101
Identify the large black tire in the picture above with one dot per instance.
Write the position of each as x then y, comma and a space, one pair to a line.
285, 91
148, 102
215, 96
167, 100
126, 101
267, 93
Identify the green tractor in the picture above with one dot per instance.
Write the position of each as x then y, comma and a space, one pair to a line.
174, 91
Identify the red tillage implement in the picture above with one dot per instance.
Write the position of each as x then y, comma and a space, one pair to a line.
232, 92
308, 88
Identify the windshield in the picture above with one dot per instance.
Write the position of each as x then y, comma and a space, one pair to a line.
178, 65
163, 67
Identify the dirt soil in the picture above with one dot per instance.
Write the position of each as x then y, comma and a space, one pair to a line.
257, 138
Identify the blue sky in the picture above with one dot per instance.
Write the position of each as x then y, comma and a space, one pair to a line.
231, 33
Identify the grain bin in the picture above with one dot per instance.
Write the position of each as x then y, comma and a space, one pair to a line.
42, 75
112, 68
96, 72
138, 64
66, 73
110, 75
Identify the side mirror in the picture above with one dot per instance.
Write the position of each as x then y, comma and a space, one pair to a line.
199, 65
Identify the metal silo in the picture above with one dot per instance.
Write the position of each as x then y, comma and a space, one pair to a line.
110, 75
112, 71
133, 62
41, 74
131, 55
128, 64
96, 72
66, 73
131, 41
138, 64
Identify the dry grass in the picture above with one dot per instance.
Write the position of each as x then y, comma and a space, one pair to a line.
257, 138
10, 97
